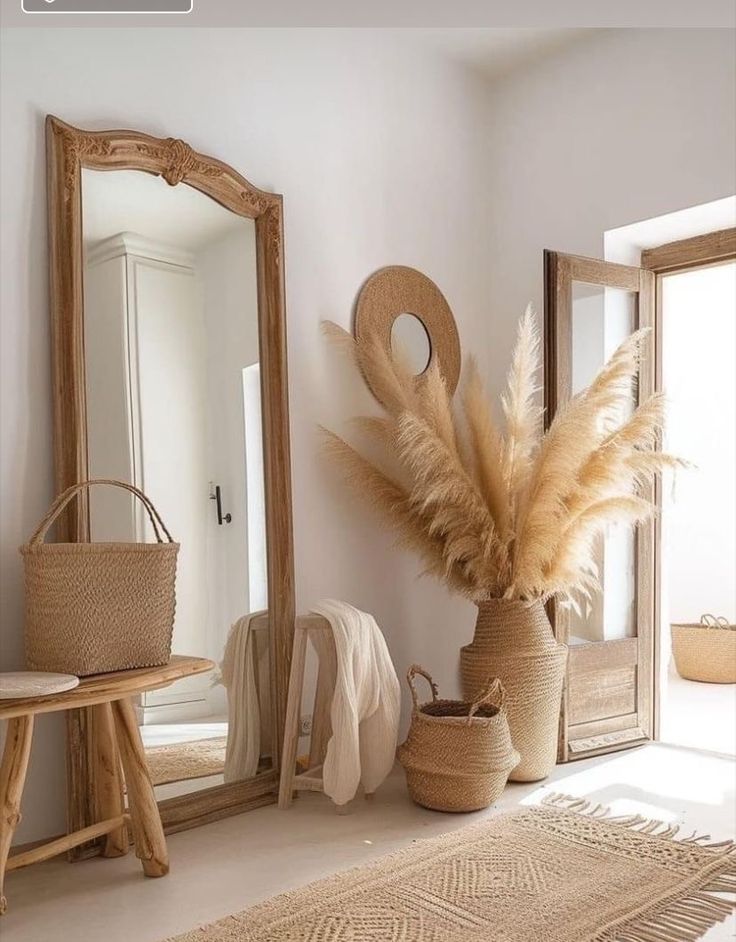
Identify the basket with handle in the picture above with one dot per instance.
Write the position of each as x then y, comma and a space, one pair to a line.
705, 651
92, 608
458, 754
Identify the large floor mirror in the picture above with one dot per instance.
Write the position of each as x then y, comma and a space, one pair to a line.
170, 373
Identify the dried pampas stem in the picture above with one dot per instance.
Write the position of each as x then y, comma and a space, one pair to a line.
523, 415
507, 512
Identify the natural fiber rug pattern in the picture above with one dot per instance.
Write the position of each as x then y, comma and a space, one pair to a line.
561, 872
177, 761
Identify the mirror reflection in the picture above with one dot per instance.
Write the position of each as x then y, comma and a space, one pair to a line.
409, 335
174, 407
602, 318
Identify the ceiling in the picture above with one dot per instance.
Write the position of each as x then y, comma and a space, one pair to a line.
495, 52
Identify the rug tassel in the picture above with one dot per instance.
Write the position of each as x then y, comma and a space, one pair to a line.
571, 802
628, 820
584, 807
723, 883
683, 921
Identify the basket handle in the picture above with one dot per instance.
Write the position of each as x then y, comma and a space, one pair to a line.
714, 621
66, 496
411, 674
493, 694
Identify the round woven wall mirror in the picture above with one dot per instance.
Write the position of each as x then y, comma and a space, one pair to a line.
407, 310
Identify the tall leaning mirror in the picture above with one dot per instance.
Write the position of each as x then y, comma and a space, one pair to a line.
169, 355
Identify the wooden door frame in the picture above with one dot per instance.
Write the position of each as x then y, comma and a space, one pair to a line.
561, 270
702, 251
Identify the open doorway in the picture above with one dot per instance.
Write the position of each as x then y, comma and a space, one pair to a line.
697, 352
622, 685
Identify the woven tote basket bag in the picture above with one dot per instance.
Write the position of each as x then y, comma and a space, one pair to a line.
98, 607
707, 651
457, 755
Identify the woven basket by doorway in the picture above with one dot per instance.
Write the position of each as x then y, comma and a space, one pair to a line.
457, 755
706, 652
92, 608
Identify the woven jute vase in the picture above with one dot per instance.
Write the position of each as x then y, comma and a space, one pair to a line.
513, 641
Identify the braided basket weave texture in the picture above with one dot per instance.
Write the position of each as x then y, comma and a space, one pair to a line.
514, 642
92, 608
705, 652
457, 755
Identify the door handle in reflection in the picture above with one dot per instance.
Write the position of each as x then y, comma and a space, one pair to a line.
217, 497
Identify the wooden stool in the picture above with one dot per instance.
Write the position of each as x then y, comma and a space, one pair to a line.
109, 696
317, 629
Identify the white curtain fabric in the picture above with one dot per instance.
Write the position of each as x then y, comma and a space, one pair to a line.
244, 716
365, 706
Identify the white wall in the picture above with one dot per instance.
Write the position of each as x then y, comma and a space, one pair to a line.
381, 155
627, 125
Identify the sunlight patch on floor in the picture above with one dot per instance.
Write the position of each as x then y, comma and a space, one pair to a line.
657, 783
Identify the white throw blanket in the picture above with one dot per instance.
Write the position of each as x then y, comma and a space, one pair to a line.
244, 716
365, 706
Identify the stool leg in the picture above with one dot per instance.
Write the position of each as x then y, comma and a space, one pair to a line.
148, 832
324, 645
291, 723
12, 777
110, 802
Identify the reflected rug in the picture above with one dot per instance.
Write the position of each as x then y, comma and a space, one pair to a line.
178, 761
565, 871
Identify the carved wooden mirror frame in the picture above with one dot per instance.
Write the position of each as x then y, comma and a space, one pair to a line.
94, 782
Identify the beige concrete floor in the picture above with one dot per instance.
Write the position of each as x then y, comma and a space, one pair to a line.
224, 867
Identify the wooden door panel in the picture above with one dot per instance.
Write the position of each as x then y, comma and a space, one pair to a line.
607, 742
599, 695
612, 724
602, 682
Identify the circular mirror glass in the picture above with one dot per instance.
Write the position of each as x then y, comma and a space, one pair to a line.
409, 335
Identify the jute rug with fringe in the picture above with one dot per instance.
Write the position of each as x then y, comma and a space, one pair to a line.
561, 872
177, 761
